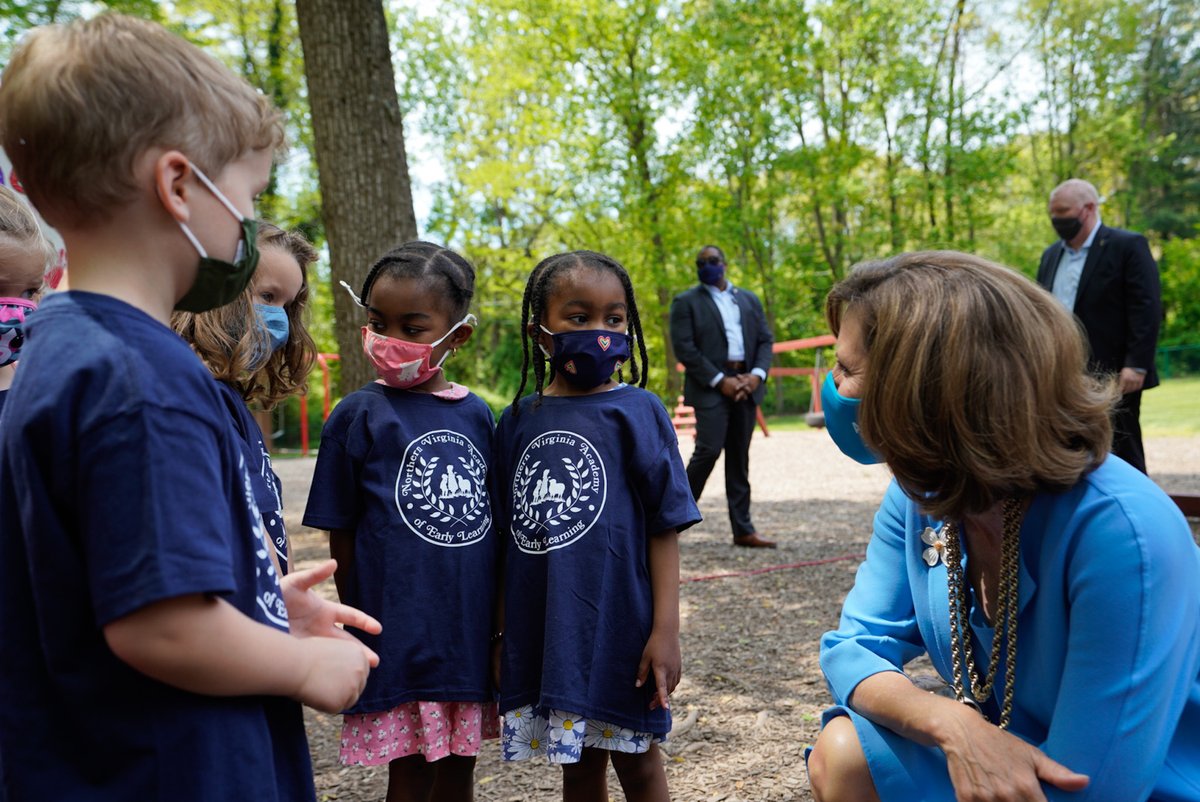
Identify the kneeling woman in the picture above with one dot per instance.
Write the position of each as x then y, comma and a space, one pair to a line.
1055, 588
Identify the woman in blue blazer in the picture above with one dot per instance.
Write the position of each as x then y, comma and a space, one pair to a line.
1055, 588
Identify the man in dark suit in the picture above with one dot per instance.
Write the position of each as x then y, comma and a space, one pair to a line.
1108, 278
720, 335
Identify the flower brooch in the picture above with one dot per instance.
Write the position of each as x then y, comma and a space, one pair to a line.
936, 553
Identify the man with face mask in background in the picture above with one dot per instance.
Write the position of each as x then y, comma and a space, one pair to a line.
720, 335
1108, 278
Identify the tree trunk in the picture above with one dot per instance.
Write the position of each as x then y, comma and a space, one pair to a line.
359, 137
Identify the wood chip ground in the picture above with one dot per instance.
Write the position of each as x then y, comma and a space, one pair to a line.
752, 691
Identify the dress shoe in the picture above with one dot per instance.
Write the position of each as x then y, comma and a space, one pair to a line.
753, 541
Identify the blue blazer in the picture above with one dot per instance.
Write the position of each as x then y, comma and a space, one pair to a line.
1108, 640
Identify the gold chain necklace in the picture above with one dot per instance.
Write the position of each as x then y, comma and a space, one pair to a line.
1005, 625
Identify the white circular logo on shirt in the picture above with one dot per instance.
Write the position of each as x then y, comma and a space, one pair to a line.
267, 592
558, 492
441, 490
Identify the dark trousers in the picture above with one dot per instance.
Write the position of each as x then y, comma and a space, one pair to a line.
728, 427
1127, 431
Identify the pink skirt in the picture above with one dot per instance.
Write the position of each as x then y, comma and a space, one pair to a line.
433, 729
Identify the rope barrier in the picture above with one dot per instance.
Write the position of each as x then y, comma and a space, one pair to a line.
771, 568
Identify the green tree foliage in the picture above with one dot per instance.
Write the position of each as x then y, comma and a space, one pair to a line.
802, 136
18, 16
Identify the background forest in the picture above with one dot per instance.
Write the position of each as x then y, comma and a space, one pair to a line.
801, 136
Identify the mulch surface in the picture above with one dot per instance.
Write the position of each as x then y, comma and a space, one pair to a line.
752, 691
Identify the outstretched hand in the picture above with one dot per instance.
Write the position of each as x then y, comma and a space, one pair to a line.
310, 616
661, 656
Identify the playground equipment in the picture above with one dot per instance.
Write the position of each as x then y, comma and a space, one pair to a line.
323, 361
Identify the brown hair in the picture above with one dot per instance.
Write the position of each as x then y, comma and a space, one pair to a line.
976, 385
226, 342
286, 372
18, 224
80, 103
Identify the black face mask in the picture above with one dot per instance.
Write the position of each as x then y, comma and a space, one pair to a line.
1066, 227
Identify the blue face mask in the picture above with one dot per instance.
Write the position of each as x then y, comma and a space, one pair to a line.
841, 421
274, 321
588, 358
710, 271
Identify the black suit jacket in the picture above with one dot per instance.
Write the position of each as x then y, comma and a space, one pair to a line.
698, 334
1119, 300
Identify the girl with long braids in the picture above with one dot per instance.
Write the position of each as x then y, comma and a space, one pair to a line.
592, 495
402, 485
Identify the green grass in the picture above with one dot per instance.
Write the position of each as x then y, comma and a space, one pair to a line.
786, 423
1170, 410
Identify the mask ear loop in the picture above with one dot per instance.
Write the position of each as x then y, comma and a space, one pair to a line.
219, 195
353, 295
468, 319
187, 232
546, 353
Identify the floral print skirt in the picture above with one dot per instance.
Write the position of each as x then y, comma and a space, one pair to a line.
433, 729
560, 735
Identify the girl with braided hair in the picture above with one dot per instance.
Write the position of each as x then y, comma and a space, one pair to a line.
402, 485
592, 494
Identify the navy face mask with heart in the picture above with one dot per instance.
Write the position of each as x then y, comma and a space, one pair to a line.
588, 358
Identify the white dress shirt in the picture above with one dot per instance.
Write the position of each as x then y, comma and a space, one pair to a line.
1070, 270
731, 317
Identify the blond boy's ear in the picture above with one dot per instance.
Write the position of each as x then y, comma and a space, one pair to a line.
172, 171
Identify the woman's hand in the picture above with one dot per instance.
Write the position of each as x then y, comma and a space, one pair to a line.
661, 656
988, 764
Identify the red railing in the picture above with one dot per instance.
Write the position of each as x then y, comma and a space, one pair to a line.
684, 418
323, 361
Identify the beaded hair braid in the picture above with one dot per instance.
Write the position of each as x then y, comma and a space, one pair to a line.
418, 259
533, 308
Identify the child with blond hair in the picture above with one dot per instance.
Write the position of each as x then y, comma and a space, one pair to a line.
260, 352
150, 649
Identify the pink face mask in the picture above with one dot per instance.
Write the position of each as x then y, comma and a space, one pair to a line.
402, 364
13, 312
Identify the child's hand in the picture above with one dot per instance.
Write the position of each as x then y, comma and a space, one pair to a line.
311, 616
662, 656
335, 674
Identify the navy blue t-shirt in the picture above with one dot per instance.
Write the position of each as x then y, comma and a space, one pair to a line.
123, 485
407, 474
268, 490
3, 396
583, 483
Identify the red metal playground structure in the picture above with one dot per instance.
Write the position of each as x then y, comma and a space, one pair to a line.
684, 416
684, 419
